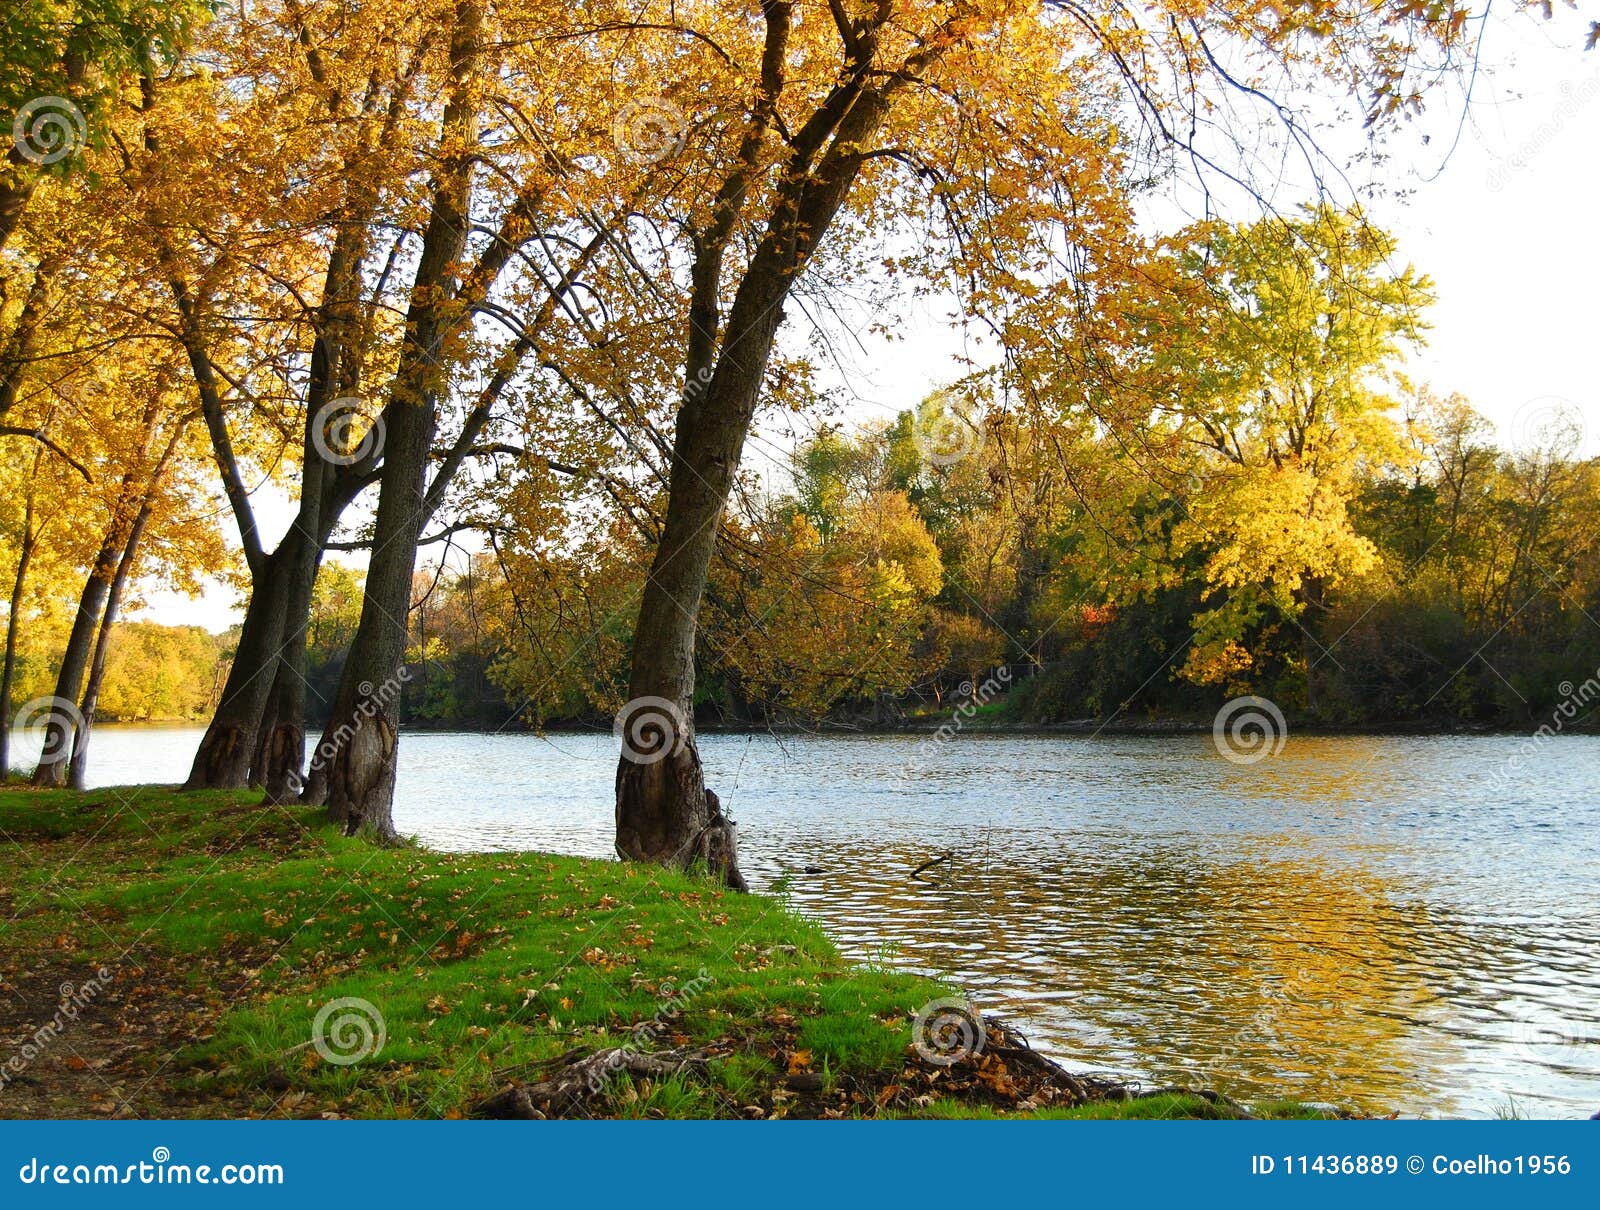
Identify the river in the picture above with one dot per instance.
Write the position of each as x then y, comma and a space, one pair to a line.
1389, 923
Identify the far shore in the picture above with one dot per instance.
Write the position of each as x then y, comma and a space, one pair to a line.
954, 718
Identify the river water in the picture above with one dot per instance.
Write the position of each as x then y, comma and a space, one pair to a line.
1389, 923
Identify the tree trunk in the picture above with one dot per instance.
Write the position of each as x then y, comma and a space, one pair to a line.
24, 557
16, 188
664, 812
223, 760
97, 667
23, 344
364, 730
61, 726
356, 760
281, 752
1312, 605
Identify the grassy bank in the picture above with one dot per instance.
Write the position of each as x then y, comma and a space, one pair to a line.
171, 954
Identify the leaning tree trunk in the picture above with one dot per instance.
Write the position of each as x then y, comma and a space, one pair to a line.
665, 814
360, 749
16, 188
223, 760
365, 724
13, 620
97, 667
281, 750
61, 725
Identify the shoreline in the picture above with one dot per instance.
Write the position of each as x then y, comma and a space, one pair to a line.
230, 959
932, 724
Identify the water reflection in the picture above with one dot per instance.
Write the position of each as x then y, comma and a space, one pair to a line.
1375, 921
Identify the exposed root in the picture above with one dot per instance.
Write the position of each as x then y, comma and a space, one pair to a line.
583, 1077
1006, 1075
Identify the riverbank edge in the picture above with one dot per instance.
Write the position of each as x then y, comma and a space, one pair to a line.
202, 955
974, 722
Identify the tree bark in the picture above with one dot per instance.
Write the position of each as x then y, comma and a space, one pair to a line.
360, 750
97, 666
13, 620
17, 184
61, 727
281, 752
23, 344
664, 812
223, 759
234, 751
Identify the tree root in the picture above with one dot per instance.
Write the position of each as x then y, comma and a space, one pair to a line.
581, 1078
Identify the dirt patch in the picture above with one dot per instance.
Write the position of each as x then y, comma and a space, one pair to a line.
78, 1040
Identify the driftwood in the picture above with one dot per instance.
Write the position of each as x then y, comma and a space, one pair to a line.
929, 864
581, 1077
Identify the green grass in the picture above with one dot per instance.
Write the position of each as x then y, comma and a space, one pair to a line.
243, 921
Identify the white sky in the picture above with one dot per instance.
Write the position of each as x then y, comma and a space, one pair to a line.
1508, 227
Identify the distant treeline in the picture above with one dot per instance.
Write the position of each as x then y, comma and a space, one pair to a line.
881, 588
154, 673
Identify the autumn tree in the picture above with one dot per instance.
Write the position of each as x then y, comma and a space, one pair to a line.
510, 225
1005, 113
63, 63
1278, 362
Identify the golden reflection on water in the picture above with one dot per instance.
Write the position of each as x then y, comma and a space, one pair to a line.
1298, 960
1382, 922
1251, 977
